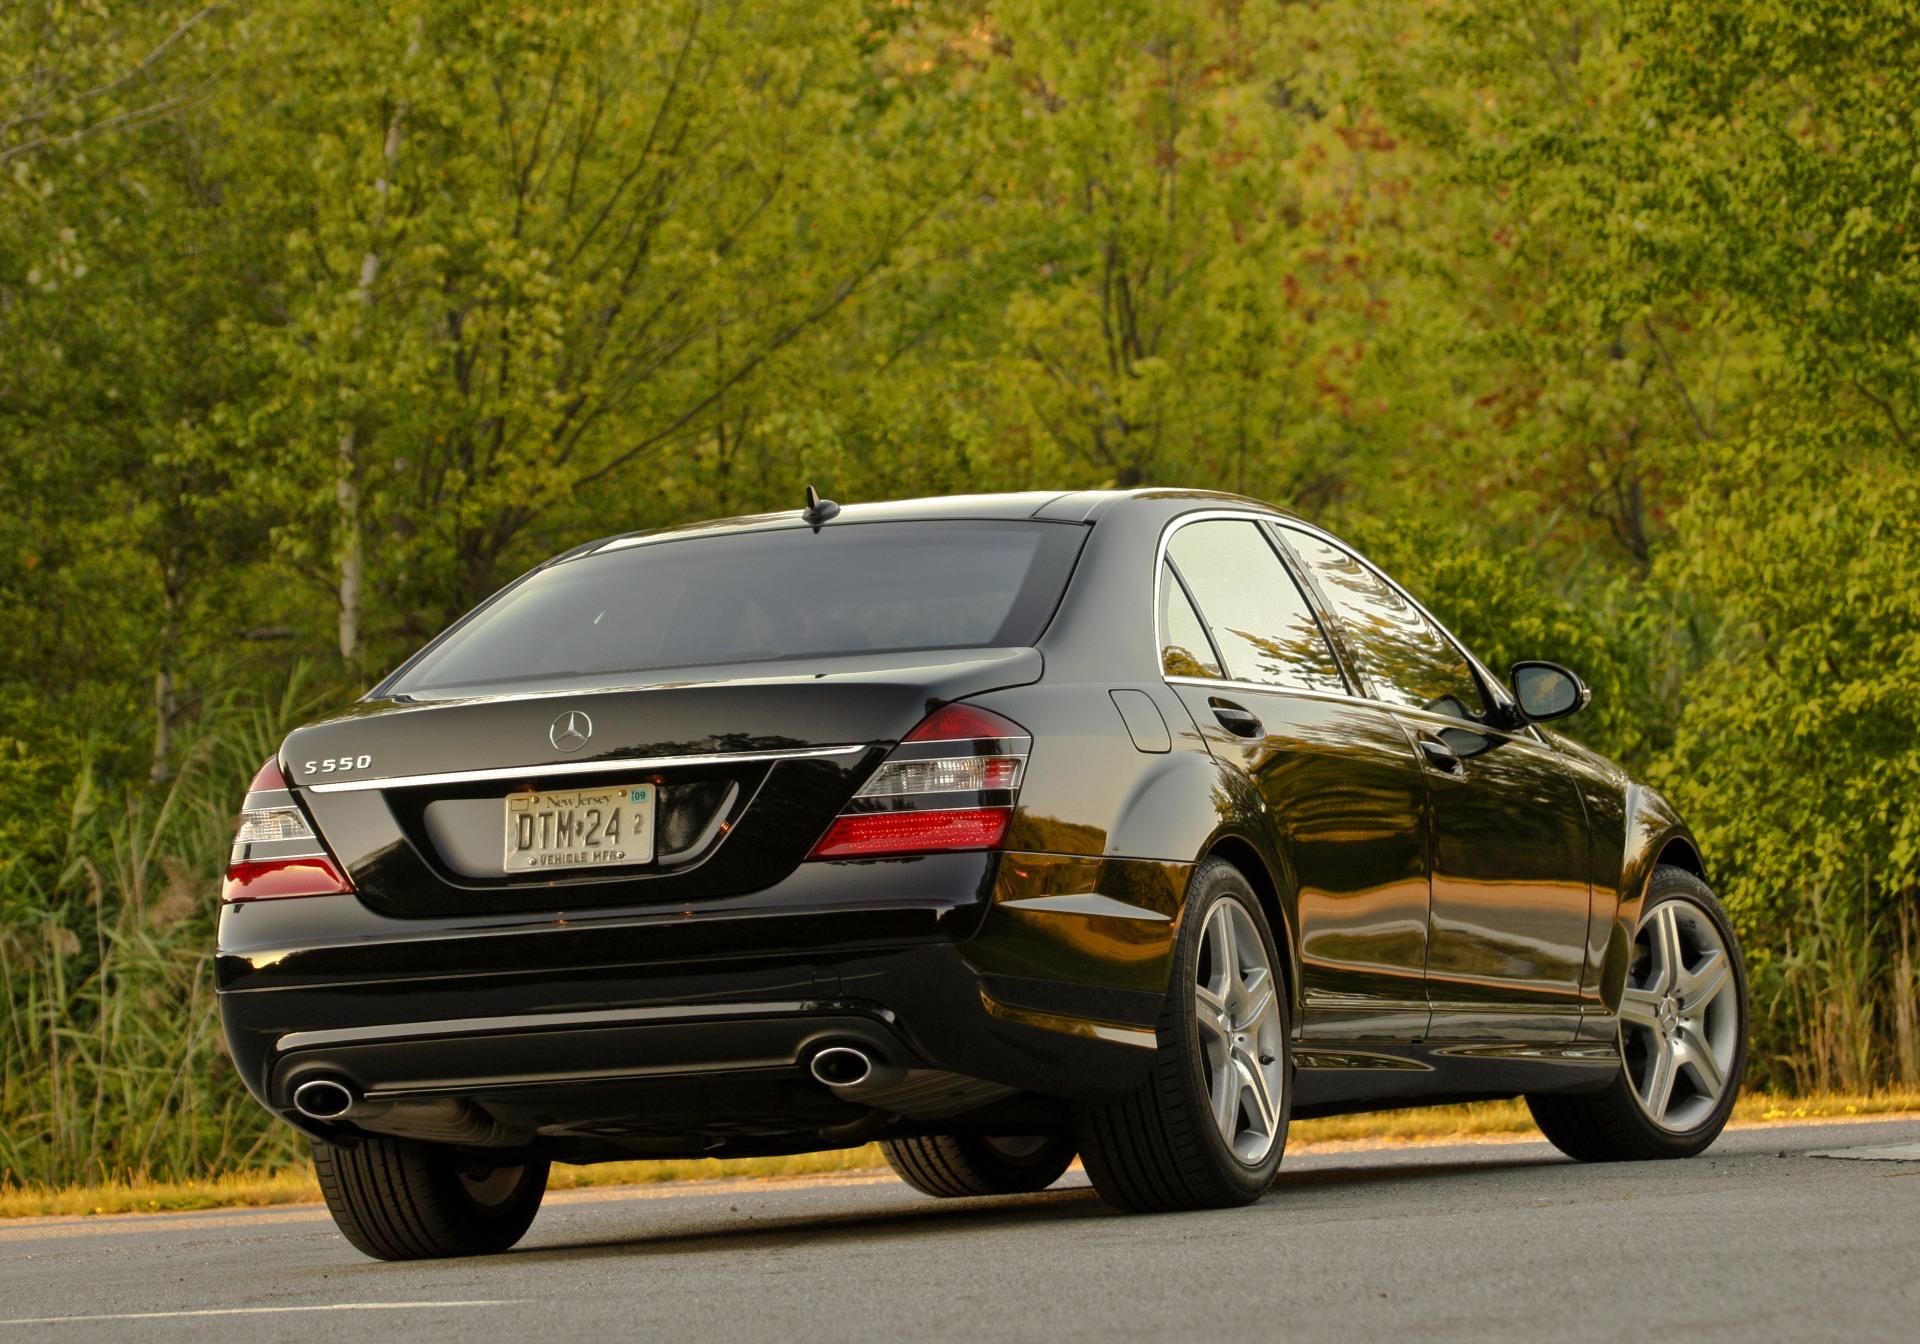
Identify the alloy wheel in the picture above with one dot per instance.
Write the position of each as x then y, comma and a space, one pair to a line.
1240, 1032
1679, 1019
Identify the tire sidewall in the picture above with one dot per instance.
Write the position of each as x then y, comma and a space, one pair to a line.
1213, 883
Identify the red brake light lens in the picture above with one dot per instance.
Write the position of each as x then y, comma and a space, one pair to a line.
868, 834
949, 786
271, 879
275, 851
958, 720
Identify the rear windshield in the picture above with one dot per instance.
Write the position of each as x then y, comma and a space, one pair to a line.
751, 597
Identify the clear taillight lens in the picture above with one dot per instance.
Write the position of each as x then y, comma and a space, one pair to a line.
268, 824
275, 852
959, 774
949, 786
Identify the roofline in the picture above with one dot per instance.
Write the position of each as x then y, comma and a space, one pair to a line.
1070, 506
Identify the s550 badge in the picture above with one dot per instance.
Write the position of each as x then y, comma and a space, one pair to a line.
332, 765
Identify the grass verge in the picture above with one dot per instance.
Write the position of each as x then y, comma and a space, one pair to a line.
295, 1185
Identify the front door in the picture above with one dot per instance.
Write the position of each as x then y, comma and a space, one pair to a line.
1507, 942
1245, 651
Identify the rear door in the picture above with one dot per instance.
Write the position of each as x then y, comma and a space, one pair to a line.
1510, 896
1245, 651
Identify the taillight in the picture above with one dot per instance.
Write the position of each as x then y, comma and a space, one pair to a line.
275, 852
950, 785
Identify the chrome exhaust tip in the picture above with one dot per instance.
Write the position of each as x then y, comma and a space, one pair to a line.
841, 1066
323, 1099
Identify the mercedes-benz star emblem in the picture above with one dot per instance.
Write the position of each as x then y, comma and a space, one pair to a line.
570, 731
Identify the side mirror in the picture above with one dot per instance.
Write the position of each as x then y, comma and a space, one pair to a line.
1547, 690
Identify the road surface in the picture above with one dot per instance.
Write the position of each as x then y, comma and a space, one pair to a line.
1757, 1240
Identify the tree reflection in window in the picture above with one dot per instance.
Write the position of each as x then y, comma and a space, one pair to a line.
1261, 624
1403, 655
1185, 650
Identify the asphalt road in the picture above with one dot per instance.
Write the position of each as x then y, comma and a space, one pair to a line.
1757, 1240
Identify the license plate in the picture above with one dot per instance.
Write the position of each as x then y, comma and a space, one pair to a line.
580, 828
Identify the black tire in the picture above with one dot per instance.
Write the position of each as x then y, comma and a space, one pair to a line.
399, 1199
1160, 1149
1612, 1126
957, 1166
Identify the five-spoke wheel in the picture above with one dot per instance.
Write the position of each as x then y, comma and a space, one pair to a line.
1207, 1129
1682, 1033
1237, 1004
1679, 1025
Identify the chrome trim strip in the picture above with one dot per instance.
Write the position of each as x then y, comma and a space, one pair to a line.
486, 1026
578, 768
1496, 691
1086, 903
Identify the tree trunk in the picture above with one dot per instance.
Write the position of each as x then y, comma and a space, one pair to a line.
166, 701
1906, 998
346, 485
346, 493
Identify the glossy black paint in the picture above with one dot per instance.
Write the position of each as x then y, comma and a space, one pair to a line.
1342, 807
1454, 899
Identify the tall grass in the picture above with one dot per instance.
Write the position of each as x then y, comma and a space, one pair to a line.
111, 1060
1836, 993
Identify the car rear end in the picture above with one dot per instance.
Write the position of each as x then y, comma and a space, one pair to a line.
608, 867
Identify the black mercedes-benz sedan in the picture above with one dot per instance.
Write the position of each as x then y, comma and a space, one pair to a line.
996, 829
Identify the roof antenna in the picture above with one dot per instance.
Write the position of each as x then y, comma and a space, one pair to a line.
819, 511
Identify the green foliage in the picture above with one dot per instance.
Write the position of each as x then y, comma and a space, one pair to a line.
1503, 612
1596, 323
113, 1064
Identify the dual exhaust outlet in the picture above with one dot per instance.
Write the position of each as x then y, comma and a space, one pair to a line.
841, 1066
324, 1099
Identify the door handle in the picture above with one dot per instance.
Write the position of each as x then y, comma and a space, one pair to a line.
1236, 719
1441, 756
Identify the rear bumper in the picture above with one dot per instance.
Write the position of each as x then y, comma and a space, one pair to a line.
689, 1030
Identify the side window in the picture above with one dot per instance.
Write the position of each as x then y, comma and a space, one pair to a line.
1402, 654
1185, 650
1260, 622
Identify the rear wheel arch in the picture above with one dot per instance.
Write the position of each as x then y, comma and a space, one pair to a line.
1248, 861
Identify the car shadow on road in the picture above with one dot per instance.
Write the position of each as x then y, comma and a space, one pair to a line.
1324, 1177
815, 1229
726, 1233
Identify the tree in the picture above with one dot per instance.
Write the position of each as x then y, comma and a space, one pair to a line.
573, 271
73, 72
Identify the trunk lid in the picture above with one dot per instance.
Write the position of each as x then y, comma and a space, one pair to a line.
744, 767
